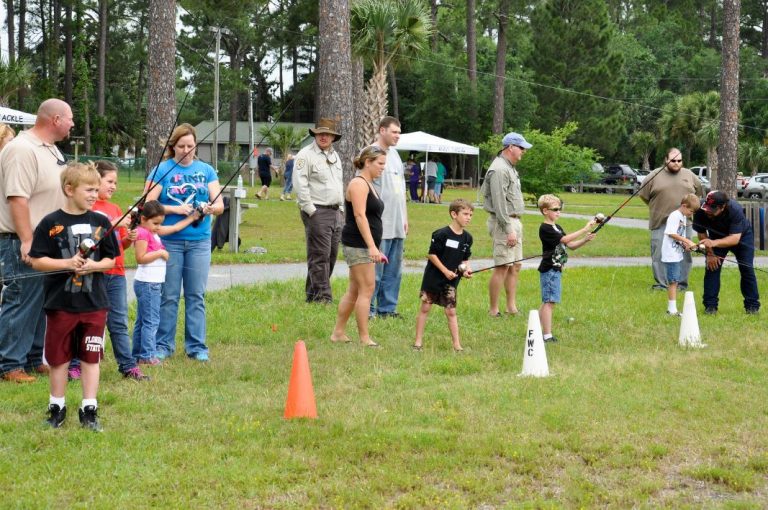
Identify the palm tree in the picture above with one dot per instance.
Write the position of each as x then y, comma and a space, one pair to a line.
643, 142
14, 76
679, 124
708, 137
282, 138
385, 32
753, 155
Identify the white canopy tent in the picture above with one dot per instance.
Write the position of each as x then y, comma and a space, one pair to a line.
10, 116
424, 142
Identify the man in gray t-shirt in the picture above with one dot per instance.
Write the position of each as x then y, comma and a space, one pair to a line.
391, 188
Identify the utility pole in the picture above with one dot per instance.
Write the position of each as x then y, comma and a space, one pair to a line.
251, 164
215, 149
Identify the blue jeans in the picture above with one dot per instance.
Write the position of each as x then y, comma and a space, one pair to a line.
288, 183
188, 266
745, 255
22, 319
148, 297
117, 321
388, 277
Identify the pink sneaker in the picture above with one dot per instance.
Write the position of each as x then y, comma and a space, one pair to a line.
74, 373
135, 374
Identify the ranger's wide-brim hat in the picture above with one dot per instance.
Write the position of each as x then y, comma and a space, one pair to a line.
325, 126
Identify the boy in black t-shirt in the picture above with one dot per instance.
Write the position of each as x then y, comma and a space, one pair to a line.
553, 243
450, 248
75, 295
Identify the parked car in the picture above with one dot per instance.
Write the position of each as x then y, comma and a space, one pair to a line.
700, 171
705, 184
641, 175
618, 175
757, 188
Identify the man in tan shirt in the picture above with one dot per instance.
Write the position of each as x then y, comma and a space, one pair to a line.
503, 199
30, 167
319, 184
662, 190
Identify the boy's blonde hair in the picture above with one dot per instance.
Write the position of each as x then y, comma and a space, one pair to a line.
692, 201
459, 204
77, 173
545, 201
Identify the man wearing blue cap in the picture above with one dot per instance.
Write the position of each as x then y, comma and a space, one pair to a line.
503, 199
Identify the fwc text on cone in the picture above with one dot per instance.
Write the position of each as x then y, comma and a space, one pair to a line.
534, 353
301, 396
689, 325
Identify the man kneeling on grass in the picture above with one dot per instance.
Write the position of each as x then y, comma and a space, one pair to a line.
553, 243
75, 293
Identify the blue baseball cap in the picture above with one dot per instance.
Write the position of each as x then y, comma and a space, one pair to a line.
515, 139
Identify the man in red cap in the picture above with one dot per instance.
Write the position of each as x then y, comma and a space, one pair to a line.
722, 227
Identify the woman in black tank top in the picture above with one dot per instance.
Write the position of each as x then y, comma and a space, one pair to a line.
360, 238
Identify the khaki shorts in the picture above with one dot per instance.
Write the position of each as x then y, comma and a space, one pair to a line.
356, 256
503, 254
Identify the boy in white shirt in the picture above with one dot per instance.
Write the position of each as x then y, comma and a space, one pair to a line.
675, 244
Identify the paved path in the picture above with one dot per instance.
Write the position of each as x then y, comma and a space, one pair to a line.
226, 276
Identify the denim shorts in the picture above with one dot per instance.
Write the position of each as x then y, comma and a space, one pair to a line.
356, 256
551, 286
673, 271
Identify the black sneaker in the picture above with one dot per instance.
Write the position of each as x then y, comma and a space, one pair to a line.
56, 415
710, 310
390, 315
752, 311
551, 339
89, 418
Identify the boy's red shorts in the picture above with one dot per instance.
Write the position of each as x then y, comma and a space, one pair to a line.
74, 335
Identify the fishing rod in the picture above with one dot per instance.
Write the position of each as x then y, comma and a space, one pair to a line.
605, 220
245, 160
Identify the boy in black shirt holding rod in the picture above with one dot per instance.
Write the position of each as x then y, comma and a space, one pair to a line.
75, 295
553, 243
450, 248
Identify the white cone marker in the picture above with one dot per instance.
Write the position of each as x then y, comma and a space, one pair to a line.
690, 335
534, 353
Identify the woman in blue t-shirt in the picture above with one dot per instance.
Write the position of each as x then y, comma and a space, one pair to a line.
182, 183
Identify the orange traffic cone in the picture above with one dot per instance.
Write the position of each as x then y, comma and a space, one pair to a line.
301, 397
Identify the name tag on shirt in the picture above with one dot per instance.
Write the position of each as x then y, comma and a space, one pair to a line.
81, 228
452, 243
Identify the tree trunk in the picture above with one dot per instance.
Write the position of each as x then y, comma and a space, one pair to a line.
334, 76
501, 68
358, 95
713, 26
729, 99
137, 130
433, 16
161, 82
376, 105
11, 27
55, 46
471, 45
234, 100
393, 85
764, 45
45, 38
22, 48
100, 83
68, 54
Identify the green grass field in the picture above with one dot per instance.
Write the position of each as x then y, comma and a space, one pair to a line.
627, 418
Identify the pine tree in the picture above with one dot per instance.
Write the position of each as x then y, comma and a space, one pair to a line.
574, 49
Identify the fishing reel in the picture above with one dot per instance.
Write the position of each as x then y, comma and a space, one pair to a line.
86, 247
599, 218
135, 218
200, 210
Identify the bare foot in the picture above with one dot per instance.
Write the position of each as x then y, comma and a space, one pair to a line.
458, 348
343, 339
369, 343
513, 311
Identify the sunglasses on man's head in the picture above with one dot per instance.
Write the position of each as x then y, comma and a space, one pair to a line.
61, 161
